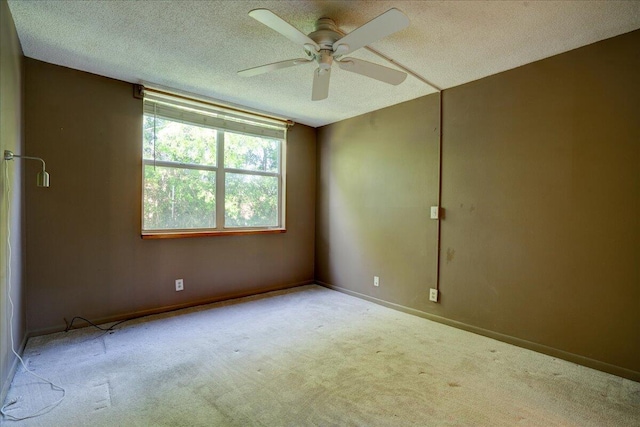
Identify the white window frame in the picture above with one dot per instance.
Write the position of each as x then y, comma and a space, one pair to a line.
196, 112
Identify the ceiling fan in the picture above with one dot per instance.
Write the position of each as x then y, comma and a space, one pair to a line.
327, 44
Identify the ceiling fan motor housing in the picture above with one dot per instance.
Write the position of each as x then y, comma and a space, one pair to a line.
325, 34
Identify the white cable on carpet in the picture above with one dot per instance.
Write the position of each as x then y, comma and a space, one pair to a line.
53, 386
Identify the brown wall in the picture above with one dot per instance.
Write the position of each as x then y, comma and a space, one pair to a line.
11, 94
377, 178
541, 183
85, 256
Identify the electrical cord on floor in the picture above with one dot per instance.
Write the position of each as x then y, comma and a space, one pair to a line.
109, 329
54, 386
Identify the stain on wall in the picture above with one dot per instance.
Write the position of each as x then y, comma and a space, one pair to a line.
451, 253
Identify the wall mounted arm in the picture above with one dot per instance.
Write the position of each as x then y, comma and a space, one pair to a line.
43, 176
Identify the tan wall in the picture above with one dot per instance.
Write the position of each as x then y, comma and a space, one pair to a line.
541, 183
85, 256
11, 70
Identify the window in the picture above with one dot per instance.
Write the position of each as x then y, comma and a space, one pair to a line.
209, 171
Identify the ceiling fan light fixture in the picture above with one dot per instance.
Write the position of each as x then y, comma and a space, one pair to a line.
325, 59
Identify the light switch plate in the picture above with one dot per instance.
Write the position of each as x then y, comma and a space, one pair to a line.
435, 212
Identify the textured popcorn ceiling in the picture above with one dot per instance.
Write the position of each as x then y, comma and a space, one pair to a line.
198, 46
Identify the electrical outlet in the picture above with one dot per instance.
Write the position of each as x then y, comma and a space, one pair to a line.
376, 281
179, 284
433, 295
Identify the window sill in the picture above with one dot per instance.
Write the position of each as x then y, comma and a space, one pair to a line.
186, 234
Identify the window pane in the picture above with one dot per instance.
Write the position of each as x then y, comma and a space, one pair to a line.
251, 200
251, 153
178, 198
179, 142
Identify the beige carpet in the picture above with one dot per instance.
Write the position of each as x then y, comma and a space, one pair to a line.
308, 356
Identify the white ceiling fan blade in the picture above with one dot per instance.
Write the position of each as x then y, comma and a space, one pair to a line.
278, 24
272, 67
378, 28
375, 71
320, 84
